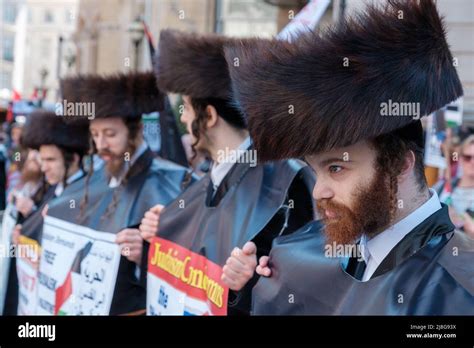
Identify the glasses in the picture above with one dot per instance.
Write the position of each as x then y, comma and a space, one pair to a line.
467, 158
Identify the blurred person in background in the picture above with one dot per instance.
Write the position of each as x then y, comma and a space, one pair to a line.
14, 157
31, 186
3, 168
459, 193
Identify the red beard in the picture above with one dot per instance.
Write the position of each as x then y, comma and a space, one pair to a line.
371, 213
115, 164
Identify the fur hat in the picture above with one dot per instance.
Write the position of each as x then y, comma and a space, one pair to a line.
120, 95
46, 128
330, 91
193, 64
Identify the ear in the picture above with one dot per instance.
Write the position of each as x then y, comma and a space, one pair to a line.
211, 116
408, 166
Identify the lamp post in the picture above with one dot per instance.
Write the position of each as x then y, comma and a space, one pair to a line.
43, 75
136, 33
66, 54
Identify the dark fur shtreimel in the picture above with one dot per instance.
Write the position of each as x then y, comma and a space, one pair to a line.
47, 128
326, 91
127, 95
194, 64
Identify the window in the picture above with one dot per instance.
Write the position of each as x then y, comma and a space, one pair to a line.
48, 16
246, 18
8, 48
5, 80
10, 11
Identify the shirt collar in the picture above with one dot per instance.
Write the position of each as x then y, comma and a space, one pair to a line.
60, 186
220, 170
380, 246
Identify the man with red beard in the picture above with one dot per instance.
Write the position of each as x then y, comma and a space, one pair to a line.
371, 192
135, 179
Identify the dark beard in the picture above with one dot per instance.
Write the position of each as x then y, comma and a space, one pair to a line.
372, 212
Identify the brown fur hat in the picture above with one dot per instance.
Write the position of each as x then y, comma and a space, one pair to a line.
121, 95
47, 128
327, 91
193, 65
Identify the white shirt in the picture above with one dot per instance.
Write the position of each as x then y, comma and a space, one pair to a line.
115, 181
220, 170
376, 249
60, 187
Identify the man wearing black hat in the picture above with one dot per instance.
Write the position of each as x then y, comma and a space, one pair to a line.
399, 251
238, 200
135, 181
61, 149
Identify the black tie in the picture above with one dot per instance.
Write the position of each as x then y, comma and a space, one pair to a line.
356, 267
360, 269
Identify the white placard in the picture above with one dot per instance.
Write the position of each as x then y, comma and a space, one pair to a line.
78, 269
27, 263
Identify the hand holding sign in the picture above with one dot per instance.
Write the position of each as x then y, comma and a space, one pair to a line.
240, 266
149, 226
131, 244
16, 234
44, 212
263, 268
24, 205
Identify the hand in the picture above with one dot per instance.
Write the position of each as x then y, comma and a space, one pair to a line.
131, 244
468, 225
240, 266
11, 195
149, 226
44, 212
16, 234
263, 269
24, 205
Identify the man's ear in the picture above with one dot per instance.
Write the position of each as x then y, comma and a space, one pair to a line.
408, 165
211, 116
